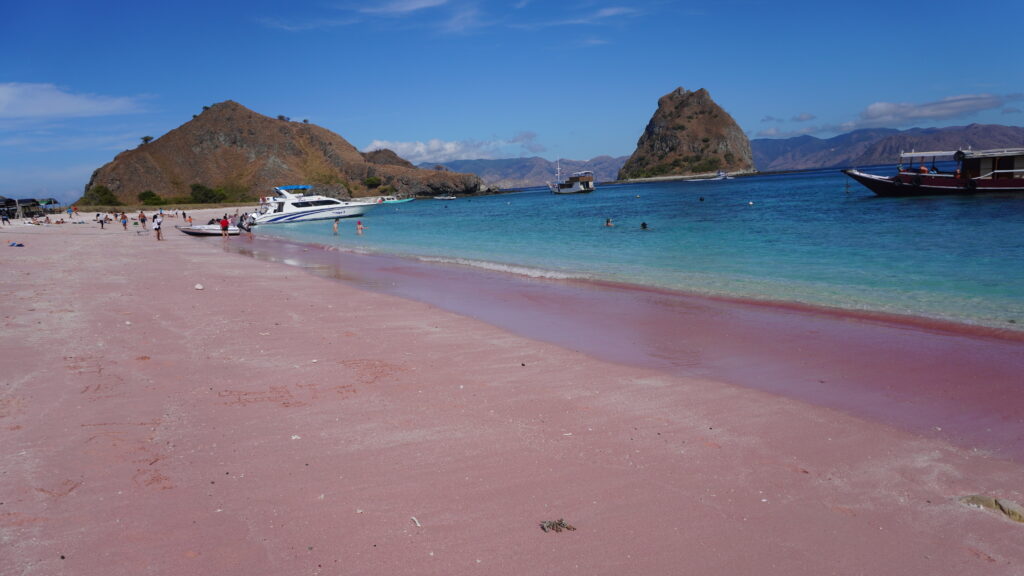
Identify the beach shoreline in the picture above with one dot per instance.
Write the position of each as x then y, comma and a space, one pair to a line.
276, 422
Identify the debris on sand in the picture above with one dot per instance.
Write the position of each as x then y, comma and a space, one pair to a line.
1007, 508
556, 525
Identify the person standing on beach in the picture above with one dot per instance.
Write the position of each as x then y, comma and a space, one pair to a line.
142, 219
158, 222
124, 220
224, 223
4, 219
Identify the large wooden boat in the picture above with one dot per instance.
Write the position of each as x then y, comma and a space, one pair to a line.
579, 182
976, 172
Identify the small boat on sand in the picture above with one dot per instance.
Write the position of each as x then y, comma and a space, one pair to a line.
977, 172
207, 230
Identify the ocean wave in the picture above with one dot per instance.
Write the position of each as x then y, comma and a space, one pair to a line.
504, 268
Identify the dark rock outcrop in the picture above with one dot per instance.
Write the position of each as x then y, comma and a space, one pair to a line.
689, 134
231, 148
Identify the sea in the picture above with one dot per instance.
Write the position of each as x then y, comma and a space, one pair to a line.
811, 238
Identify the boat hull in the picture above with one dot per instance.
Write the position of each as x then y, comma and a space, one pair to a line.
911, 184
573, 188
351, 210
207, 230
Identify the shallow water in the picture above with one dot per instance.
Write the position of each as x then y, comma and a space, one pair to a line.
813, 238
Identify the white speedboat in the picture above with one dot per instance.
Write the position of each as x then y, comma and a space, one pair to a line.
719, 176
207, 230
389, 199
579, 182
445, 197
291, 204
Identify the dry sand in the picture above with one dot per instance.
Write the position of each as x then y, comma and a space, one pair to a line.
276, 422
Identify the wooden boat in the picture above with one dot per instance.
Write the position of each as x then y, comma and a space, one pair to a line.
207, 230
579, 182
977, 172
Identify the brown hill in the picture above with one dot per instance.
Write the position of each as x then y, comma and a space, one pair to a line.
688, 134
245, 154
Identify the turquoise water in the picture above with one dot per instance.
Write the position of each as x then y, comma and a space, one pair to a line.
811, 238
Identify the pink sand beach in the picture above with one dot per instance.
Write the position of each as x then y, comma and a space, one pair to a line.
370, 416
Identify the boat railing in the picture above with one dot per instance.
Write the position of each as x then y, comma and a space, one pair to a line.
994, 172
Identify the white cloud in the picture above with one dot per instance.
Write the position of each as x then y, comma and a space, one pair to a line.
894, 114
614, 11
20, 100
403, 6
436, 150
774, 132
587, 19
463, 21
302, 26
901, 114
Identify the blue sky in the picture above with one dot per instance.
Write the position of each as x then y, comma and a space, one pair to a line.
448, 79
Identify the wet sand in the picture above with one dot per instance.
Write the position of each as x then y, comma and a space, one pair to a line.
278, 421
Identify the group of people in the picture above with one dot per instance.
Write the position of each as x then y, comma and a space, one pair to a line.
359, 226
141, 219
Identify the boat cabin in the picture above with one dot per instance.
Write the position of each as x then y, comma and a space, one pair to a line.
1001, 164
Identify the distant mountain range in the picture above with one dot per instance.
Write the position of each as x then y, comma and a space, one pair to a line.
527, 172
858, 148
877, 146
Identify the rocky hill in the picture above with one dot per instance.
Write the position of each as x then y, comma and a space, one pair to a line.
526, 172
877, 146
689, 134
243, 155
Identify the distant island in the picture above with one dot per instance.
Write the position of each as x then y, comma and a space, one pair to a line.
858, 148
689, 134
228, 153
508, 173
